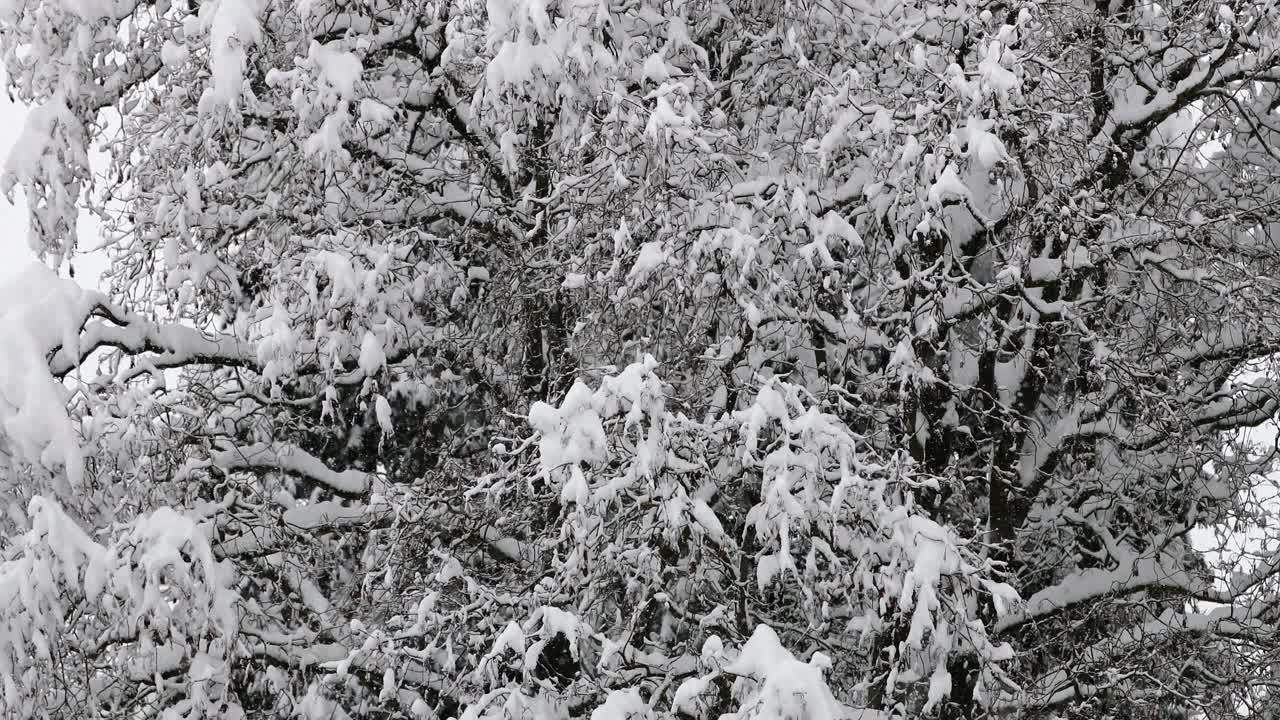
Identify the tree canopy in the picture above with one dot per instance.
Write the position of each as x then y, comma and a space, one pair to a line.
640, 359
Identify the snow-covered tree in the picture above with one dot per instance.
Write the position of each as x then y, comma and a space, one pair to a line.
642, 358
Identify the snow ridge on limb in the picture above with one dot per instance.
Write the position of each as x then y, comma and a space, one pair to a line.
284, 458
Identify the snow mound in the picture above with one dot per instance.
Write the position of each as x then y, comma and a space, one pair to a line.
41, 312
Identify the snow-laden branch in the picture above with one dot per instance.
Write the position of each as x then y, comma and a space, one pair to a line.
1234, 339
412, 672
327, 515
1167, 101
170, 345
284, 458
1131, 574
1251, 406
1238, 615
1059, 696
1060, 685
